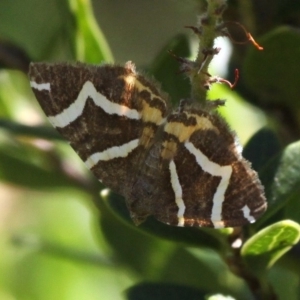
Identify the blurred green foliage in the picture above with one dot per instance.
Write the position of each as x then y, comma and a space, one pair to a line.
62, 239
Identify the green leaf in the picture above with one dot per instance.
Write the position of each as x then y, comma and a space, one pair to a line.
263, 70
203, 269
45, 132
263, 249
165, 69
13, 96
281, 178
54, 249
242, 117
157, 291
17, 166
292, 208
264, 151
144, 254
59, 242
288, 279
261, 148
90, 43
201, 237
159, 260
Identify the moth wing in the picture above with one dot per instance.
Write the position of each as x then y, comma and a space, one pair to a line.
221, 189
203, 179
102, 112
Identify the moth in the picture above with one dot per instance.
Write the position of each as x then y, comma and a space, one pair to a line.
182, 166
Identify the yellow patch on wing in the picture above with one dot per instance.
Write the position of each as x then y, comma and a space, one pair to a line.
149, 113
183, 132
147, 136
169, 149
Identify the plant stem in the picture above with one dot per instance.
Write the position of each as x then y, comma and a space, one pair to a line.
207, 32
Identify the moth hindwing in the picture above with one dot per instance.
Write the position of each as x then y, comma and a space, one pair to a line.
183, 167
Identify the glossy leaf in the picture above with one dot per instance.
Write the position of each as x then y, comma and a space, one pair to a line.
143, 253
207, 271
292, 209
263, 249
192, 236
285, 281
263, 146
162, 261
271, 73
282, 178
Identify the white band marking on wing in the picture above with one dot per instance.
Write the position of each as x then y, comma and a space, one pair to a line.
246, 212
75, 110
215, 170
111, 153
40, 86
178, 193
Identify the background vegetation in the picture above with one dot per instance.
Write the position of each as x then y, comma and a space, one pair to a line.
61, 239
